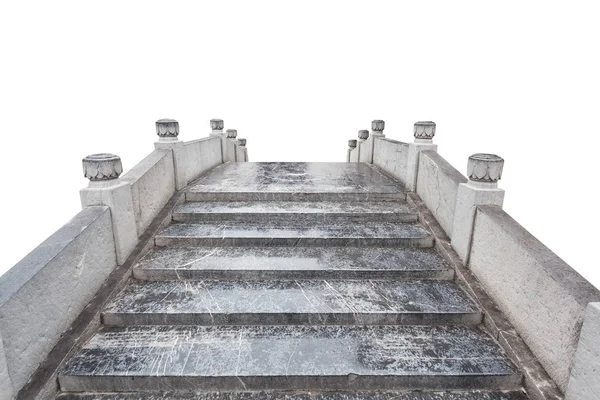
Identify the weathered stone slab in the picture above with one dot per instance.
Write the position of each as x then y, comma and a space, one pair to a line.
287, 234
292, 263
295, 182
294, 211
289, 357
316, 302
533, 287
584, 383
43, 294
413, 395
437, 186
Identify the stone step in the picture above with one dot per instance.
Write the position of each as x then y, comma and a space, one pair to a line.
263, 263
295, 182
271, 395
231, 358
294, 211
316, 302
367, 233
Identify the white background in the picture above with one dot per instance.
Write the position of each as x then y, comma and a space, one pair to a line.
298, 79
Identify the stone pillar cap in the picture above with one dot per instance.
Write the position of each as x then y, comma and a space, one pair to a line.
102, 167
486, 168
424, 130
167, 128
242, 142
231, 133
352, 143
216, 124
363, 134
377, 125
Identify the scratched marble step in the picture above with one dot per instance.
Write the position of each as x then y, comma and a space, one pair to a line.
232, 358
366, 233
298, 395
295, 182
294, 211
265, 263
346, 302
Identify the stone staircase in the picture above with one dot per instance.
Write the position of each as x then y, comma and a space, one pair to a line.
292, 281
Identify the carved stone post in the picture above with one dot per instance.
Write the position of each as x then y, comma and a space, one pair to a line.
484, 171
423, 131
242, 151
377, 127
351, 146
216, 126
362, 152
230, 148
168, 130
106, 189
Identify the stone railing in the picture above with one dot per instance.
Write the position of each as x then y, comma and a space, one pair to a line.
44, 293
543, 297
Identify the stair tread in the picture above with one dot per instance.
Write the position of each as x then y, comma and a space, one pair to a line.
365, 229
292, 262
262, 395
286, 181
295, 207
244, 355
292, 301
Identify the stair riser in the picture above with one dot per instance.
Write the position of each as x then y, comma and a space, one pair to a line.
186, 274
121, 319
294, 217
291, 196
345, 382
273, 395
295, 241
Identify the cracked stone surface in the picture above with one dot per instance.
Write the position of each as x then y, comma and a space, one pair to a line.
295, 181
279, 233
261, 395
363, 302
294, 210
292, 263
288, 357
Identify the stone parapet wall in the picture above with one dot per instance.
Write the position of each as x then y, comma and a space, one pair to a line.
152, 185
201, 155
391, 156
42, 294
437, 186
541, 295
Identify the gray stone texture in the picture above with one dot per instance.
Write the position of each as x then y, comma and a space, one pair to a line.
102, 167
229, 150
584, 383
292, 302
295, 211
414, 154
289, 357
6, 387
539, 293
167, 128
44, 293
119, 199
469, 196
437, 186
302, 395
255, 263
295, 182
485, 167
201, 155
279, 233
424, 130
392, 157
152, 184
365, 150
